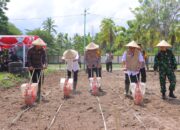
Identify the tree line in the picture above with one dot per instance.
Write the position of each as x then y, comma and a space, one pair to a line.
154, 20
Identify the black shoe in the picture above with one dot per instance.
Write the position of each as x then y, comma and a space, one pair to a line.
164, 96
171, 94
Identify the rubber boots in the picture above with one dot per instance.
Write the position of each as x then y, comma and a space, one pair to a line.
126, 89
163, 96
171, 94
74, 86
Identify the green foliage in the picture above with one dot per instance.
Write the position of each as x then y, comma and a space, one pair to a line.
78, 43
119, 52
13, 30
3, 17
107, 33
154, 21
48, 38
8, 80
49, 26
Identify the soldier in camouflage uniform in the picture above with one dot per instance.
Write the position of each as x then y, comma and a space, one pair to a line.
166, 63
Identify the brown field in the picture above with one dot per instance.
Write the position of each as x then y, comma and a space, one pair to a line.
82, 112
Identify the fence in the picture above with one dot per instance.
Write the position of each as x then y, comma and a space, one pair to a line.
55, 59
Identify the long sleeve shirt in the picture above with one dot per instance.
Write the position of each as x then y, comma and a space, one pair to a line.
36, 57
73, 65
165, 60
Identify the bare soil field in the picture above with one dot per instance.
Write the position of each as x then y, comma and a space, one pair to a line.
83, 111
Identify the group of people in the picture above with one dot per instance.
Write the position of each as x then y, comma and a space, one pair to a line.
7, 57
133, 62
164, 62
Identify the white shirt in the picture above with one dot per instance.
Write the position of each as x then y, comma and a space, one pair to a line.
140, 58
72, 65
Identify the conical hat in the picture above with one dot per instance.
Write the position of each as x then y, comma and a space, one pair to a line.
92, 46
70, 54
133, 44
39, 42
163, 43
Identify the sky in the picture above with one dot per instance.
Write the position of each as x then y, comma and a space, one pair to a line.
69, 14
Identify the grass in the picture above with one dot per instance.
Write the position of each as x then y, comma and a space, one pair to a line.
8, 80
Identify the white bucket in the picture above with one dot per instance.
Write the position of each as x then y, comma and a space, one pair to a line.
142, 87
98, 81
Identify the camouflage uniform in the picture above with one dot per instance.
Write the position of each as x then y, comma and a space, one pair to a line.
166, 63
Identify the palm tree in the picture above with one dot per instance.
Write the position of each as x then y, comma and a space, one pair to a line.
107, 32
49, 26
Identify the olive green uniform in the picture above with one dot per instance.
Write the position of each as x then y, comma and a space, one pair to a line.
166, 63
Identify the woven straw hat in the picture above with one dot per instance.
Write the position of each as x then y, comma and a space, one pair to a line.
163, 43
70, 54
133, 44
39, 42
92, 46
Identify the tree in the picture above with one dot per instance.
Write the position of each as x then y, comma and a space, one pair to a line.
159, 17
49, 26
78, 43
45, 36
13, 30
107, 33
3, 17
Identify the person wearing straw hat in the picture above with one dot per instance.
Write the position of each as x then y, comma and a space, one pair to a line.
132, 60
71, 57
93, 60
37, 60
165, 62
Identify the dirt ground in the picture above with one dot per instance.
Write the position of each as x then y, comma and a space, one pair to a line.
82, 111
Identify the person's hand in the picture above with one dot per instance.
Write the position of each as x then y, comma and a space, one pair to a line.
31, 68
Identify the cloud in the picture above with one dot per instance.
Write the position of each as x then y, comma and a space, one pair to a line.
68, 14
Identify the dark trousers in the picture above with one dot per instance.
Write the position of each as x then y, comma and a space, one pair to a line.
92, 70
171, 77
99, 72
133, 78
35, 78
109, 66
75, 75
143, 74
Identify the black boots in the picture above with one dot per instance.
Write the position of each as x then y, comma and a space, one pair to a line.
126, 89
171, 94
74, 86
163, 96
